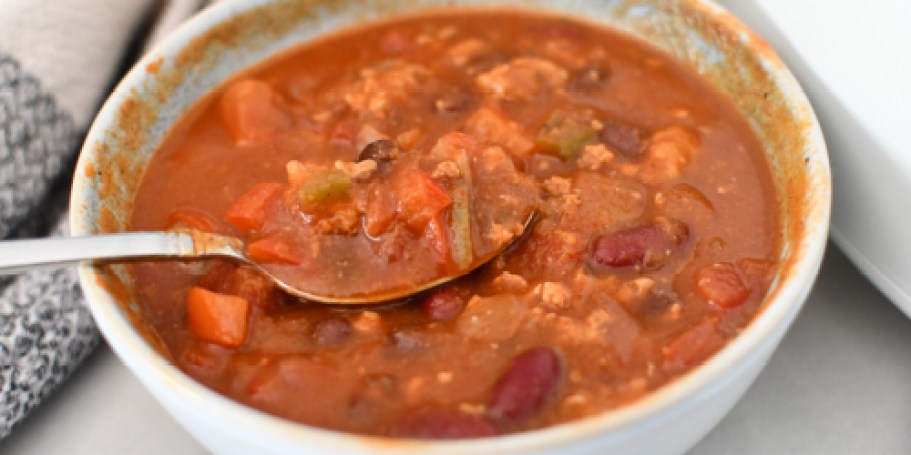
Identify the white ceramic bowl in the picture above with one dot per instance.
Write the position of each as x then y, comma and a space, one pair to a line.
232, 35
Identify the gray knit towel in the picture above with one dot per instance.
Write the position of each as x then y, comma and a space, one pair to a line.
58, 60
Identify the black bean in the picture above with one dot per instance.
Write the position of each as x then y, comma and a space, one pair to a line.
381, 150
588, 79
407, 339
332, 331
626, 139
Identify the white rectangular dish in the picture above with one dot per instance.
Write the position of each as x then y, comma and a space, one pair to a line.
852, 60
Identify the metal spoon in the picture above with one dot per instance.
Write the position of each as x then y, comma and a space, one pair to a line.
18, 256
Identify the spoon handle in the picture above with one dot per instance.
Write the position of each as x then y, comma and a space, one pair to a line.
18, 256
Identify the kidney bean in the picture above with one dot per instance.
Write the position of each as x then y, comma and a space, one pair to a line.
645, 246
444, 424
443, 304
332, 331
626, 139
525, 387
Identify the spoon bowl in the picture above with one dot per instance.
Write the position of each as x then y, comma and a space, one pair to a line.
18, 256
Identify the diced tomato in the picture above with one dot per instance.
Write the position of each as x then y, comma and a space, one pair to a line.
722, 285
249, 211
263, 376
396, 42
204, 361
391, 247
694, 346
218, 278
253, 287
409, 139
439, 239
274, 387
344, 133
380, 211
458, 140
757, 271
250, 112
272, 250
420, 199
244, 282
191, 219
443, 424
549, 254
199, 355
217, 318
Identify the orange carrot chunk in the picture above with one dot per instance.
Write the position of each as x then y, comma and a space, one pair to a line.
217, 318
272, 250
249, 211
251, 112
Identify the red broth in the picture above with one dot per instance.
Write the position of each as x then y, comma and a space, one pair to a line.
655, 244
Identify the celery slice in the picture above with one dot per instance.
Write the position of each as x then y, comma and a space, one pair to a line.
563, 135
324, 186
462, 251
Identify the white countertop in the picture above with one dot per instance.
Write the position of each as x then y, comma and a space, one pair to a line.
839, 384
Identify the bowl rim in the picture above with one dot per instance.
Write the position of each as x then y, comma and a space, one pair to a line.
251, 424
